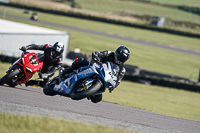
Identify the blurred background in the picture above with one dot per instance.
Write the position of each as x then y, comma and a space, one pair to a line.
163, 37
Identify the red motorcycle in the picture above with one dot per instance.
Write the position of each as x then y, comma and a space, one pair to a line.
23, 69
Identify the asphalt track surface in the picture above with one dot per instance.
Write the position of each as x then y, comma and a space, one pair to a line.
28, 100
115, 36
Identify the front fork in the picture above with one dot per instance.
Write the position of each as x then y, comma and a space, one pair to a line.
60, 73
17, 77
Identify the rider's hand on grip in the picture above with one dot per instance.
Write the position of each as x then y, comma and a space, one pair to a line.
111, 89
95, 57
23, 48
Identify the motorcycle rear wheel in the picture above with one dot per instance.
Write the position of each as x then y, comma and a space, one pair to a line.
89, 92
11, 74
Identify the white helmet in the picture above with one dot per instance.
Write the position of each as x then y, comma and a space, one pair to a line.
58, 48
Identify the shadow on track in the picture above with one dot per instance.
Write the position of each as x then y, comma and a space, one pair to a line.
24, 89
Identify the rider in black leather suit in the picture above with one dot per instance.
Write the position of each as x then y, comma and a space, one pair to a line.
52, 60
119, 57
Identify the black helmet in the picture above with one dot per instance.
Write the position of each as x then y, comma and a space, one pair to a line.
122, 54
58, 48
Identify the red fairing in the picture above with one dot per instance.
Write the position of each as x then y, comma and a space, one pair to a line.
30, 64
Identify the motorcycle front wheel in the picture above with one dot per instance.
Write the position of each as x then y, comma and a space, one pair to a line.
48, 88
87, 93
9, 76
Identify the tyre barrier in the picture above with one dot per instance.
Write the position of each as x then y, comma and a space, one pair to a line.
7, 59
162, 82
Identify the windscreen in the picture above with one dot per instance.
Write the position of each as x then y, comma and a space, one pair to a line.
115, 69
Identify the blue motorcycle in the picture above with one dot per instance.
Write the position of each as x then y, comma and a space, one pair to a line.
85, 82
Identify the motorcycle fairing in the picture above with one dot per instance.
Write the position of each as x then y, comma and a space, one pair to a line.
66, 86
105, 70
27, 67
109, 74
31, 63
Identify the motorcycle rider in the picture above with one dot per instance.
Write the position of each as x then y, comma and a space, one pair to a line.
119, 57
52, 60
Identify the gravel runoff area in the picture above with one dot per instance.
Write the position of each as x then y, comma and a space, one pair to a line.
7, 107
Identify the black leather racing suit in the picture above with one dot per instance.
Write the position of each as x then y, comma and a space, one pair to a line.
50, 64
109, 56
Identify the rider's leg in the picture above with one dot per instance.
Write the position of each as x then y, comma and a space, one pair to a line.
37, 82
32, 82
78, 62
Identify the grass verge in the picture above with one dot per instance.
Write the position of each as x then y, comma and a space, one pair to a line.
178, 2
161, 100
12, 123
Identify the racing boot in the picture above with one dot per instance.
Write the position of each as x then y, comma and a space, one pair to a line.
67, 71
96, 98
35, 83
31, 82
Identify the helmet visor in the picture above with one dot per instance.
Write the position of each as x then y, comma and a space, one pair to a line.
117, 60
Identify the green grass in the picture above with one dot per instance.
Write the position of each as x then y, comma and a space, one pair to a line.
179, 2
139, 8
4, 67
12, 123
147, 35
101, 7
166, 101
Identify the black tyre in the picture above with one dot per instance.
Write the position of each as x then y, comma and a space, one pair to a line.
10, 75
48, 88
12, 85
96, 98
87, 93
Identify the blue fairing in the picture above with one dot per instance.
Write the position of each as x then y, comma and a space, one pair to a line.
106, 73
82, 73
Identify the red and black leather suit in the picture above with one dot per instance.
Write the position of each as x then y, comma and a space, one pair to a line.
50, 64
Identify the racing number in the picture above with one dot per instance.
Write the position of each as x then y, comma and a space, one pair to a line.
111, 75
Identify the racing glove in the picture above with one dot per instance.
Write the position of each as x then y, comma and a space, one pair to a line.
111, 89
23, 48
96, 58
